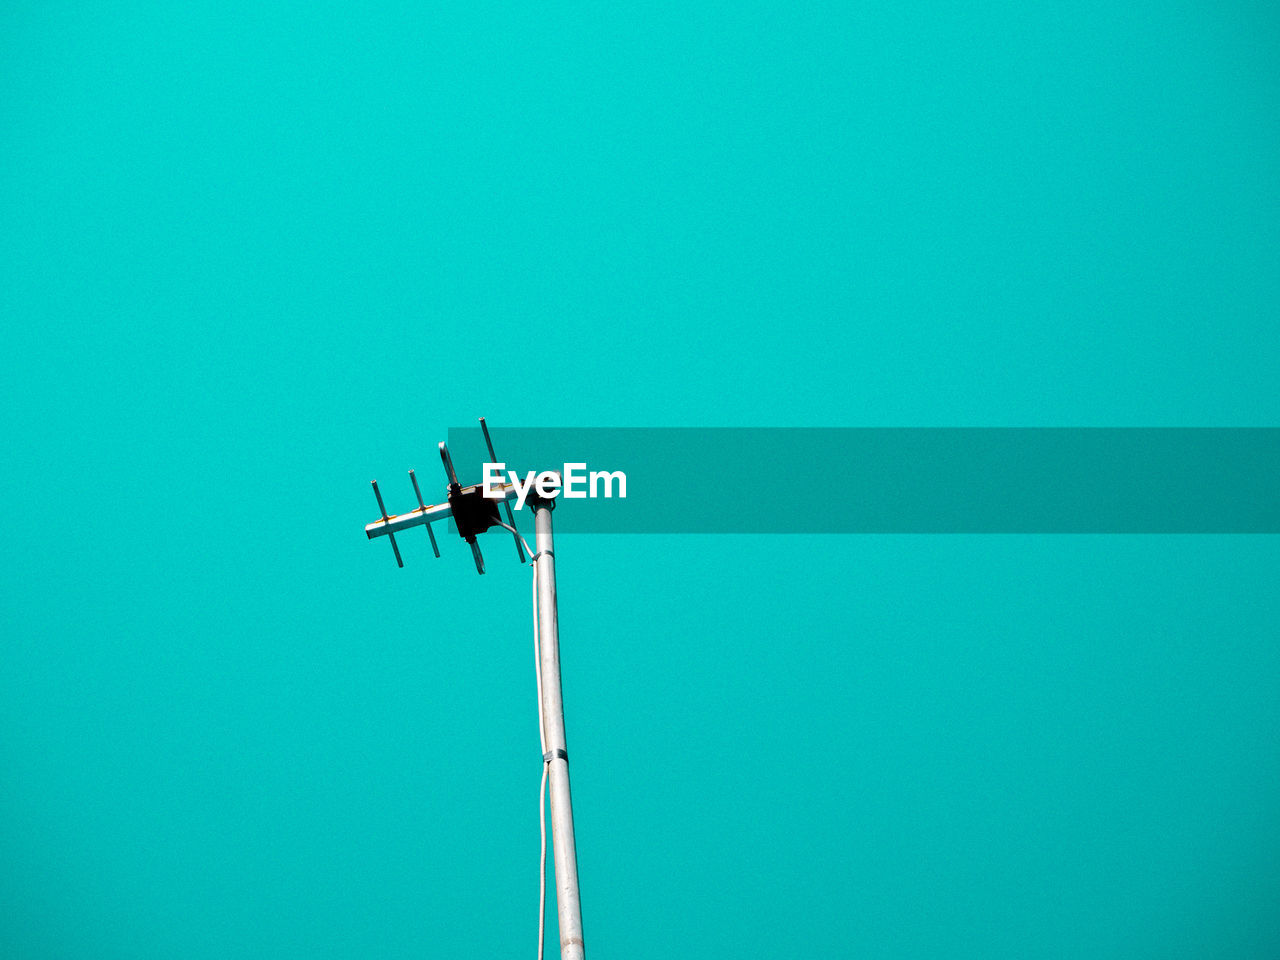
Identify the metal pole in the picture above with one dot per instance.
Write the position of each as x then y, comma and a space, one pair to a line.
568, 904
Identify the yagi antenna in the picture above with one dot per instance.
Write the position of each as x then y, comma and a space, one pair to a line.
472, 512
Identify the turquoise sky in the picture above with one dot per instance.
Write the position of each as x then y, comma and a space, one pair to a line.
252, 256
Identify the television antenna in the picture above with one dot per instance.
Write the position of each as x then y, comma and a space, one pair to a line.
473, 513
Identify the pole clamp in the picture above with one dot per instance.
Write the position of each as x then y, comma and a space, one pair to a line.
553, 754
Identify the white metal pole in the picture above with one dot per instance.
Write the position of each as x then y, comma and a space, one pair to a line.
568, 904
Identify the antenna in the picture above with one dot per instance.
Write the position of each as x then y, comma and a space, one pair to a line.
473, 513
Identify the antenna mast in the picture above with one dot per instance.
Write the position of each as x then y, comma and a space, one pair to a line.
472, 514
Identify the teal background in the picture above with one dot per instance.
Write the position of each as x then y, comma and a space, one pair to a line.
252, 256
